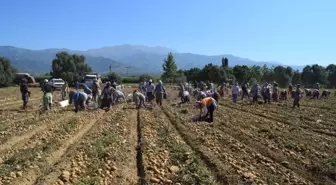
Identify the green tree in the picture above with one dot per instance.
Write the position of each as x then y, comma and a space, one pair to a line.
180, 77
331, 69
70, 68
320, 74
145, 78
296, 78
314, 74
7, 72
169, 67
283, 75
267, 74
242, 73
114, 77
193, 74
306, 76
225, 62
256, 73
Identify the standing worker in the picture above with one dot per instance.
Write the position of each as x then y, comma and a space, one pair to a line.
77, 85
25, 93
47, 94
245, 91
208, 105
235, 92
106, 96
255, 93
290, 90
150, 91
159, 93
65, 90
95, 90
297, 96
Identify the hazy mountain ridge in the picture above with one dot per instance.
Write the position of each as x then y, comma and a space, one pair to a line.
140, 59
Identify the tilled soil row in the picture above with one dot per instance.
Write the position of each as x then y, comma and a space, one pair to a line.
288, 113
30, 153
249, 163
220, 169
271, 141
300, 125
167, 159
39, 122
99, 158
48, 154
285, 130
277, 144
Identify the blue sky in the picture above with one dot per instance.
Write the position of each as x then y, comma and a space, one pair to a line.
289, 31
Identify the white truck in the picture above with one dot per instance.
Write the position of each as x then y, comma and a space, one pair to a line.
57, 83
89, 79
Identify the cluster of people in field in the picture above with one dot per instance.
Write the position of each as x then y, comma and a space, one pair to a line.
104, 97
207, 95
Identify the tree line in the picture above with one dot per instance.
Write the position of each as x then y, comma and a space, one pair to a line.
308, 77
72, 68
69, 67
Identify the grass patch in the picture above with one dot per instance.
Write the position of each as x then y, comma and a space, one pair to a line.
68, 127
5, 169
97, 151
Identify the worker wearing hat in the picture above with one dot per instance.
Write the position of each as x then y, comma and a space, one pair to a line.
150, 91
106, 96
25, 93
159, 93
208, 106
297, 96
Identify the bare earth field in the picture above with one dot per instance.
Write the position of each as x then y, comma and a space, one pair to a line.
247, 144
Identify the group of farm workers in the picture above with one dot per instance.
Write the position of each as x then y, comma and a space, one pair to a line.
267, 92
149, 92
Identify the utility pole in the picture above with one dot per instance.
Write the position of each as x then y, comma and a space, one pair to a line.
127, 70
110, 68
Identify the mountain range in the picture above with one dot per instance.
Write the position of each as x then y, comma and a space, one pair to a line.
131, 59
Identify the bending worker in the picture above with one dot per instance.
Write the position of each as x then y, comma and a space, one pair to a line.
79, 99
209, 105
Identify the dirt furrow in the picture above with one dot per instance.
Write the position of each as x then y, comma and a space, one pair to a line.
250, 163
166, 157
286, 112
19, 138
139, 156
286, 130
221, 171
100, 156
30, 176
21, 128
295, 125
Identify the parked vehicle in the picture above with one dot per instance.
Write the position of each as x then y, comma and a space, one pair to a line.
30, 79
89, 79
57, 83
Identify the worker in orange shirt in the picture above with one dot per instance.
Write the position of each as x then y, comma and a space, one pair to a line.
208, 105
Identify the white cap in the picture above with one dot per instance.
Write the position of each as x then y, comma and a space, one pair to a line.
150, 80
160, 82
45, 80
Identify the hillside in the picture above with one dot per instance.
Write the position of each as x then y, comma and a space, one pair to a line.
140, 59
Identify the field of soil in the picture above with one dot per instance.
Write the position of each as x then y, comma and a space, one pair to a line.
247, 144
